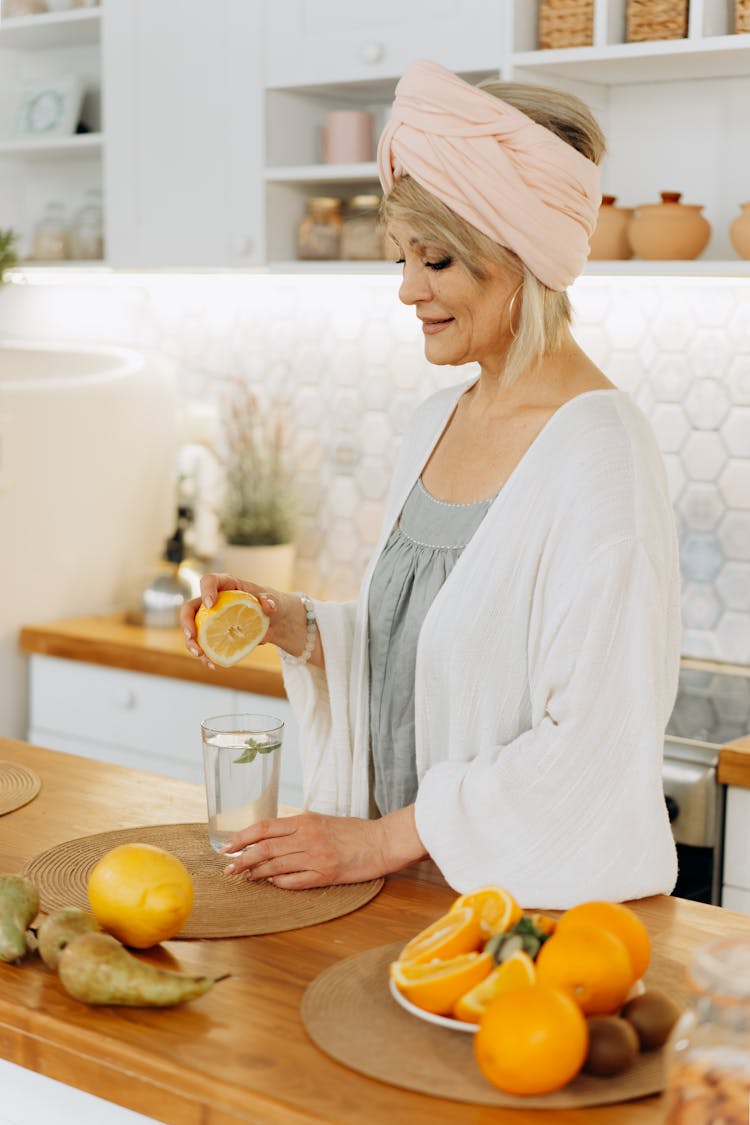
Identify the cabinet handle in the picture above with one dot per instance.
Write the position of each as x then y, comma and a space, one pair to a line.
372, 51
126, 701
244, 246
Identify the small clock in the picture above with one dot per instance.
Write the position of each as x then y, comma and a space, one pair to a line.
49, 109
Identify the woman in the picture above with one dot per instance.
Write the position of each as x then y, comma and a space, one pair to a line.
497, 698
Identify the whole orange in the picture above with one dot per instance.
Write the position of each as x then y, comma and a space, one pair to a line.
591, 965
532, 1039
619, 920
140, 894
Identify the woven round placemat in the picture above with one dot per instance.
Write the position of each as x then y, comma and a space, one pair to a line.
350, 1014
18, 786
224, 905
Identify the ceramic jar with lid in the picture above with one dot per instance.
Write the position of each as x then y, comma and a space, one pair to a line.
319, 232
610, 238
362, 233
739, 231
708, 1053
668, 230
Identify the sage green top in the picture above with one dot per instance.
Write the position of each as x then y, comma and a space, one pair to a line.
420, 553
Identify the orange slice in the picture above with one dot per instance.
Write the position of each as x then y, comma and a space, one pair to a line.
495, 908
456, 932
435, 986
518, 969
231, 628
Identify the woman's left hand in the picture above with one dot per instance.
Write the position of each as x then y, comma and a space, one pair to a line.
313, 850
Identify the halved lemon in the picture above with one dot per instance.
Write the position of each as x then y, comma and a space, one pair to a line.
518, 969
496, 909
231, 628
435, 986
453, 933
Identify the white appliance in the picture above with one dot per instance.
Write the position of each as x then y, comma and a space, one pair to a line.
88, 439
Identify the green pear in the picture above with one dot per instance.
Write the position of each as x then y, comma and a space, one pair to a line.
58, 930
19, 906
97, 969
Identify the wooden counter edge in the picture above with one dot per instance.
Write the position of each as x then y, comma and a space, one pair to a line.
131, 1078
42, 640
734, 763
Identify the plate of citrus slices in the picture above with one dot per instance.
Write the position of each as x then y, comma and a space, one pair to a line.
448, 974
566, 993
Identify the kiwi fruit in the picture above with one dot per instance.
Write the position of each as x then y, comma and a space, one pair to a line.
653, 1014
613, 1045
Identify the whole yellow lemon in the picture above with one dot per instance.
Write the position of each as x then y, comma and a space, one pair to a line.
140, 894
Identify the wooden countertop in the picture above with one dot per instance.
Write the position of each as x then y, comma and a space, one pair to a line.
734, 763
111, 641
240, 1054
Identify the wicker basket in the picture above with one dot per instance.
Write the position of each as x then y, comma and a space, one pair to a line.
742, 17
656, 19
566, 23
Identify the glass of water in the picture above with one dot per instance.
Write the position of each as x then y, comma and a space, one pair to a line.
241, 761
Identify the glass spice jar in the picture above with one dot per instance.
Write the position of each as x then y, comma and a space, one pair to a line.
708, 1070
362, 233
86, 236
319, 232
51, 235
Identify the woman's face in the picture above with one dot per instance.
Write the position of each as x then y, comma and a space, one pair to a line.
463, 320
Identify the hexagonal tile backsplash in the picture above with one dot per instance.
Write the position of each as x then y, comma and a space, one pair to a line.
347, 356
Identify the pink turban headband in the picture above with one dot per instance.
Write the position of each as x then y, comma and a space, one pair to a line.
514, 180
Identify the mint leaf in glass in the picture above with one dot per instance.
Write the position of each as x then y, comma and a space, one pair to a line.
256, 746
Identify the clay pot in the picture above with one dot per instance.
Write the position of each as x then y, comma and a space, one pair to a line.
668, 230
739, 232
610, 240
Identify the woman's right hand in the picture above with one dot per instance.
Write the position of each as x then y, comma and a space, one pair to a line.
286, 614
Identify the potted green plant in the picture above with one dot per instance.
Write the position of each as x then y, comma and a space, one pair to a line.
8, 255
257, 514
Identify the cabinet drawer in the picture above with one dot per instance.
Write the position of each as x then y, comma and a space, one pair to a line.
122, 708
735, 898
737, 838
318, 41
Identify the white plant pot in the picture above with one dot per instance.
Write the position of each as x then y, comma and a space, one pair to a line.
266, 566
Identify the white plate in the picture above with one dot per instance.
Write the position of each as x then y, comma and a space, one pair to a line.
429, 1017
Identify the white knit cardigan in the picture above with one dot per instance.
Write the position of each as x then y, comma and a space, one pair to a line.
546, 670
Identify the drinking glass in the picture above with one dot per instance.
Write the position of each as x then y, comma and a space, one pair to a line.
241, 760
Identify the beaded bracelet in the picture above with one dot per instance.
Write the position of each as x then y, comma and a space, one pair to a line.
312, 629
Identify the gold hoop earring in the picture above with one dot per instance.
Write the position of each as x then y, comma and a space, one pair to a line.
513, 332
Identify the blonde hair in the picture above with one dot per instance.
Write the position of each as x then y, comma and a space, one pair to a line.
543, 314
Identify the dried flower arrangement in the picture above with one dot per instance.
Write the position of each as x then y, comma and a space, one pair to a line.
258, 505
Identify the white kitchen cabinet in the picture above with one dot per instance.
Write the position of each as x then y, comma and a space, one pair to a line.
48, 168
674, 111
213, 114
183, 105
314, 42
325, 55
146, 722
736, 888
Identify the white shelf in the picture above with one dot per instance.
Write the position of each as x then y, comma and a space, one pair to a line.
632, 268
702, 267
53, 29
321, 173
334, 267
668, 60
34, 148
